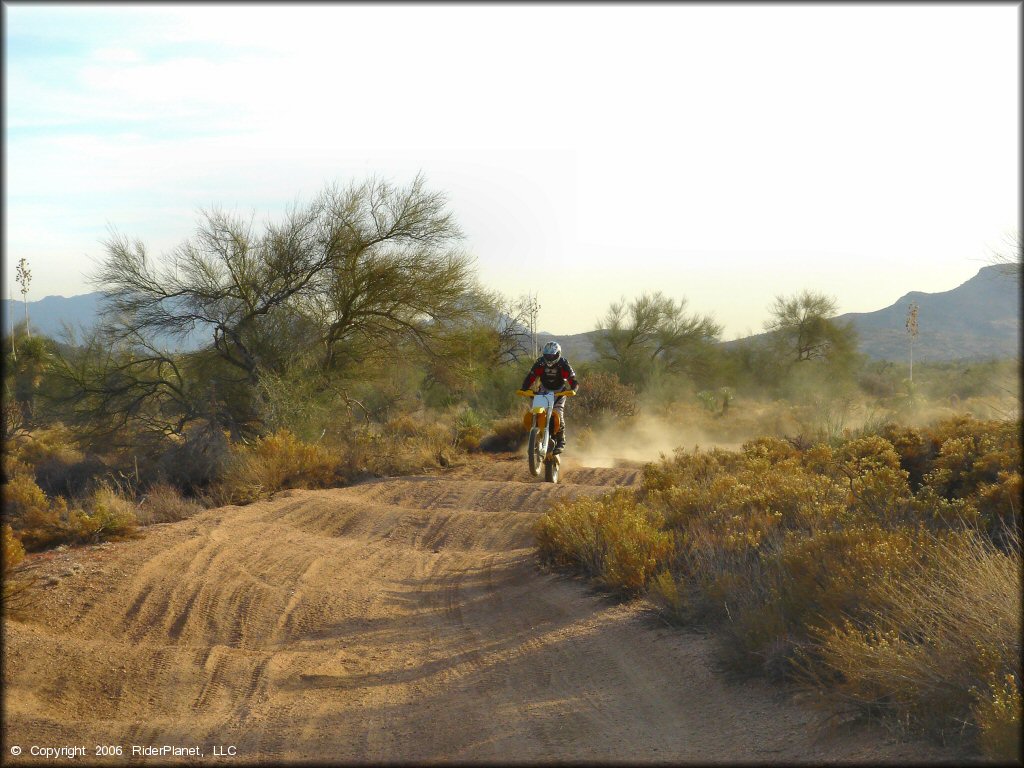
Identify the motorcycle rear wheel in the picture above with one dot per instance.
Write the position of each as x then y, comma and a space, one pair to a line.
536, 460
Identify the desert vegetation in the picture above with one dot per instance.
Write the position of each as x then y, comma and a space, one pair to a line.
349, 339
839, 524
882, 566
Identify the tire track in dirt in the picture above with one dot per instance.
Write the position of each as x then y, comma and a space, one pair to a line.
404, 619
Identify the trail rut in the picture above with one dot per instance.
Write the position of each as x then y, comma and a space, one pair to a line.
399, 620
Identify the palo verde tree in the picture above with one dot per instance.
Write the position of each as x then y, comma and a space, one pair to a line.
808, 354
478, 359
653, 332
802, 330
335, 284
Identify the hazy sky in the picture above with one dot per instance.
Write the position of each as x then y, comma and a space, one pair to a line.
725, 154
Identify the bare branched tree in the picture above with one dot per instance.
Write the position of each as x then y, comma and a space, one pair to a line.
1008, 256
342, 279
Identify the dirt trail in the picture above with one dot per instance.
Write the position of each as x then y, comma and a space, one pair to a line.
399, 620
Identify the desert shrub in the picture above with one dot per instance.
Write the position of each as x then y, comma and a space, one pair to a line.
59, 476
23, 498
18, 587
403, 425
13, 551
41, 522
935, 509
670, 596
944, 628
38, 522
971, 453
826, 561
835, 573
915, 451
612, 538
409, 444
867, 454
718, 487
12, 465
55, 441
999, 506
276, 462
107, 514
878, 487
772, 449
603, 396
998, 715
196, 461
506, 434
163, 503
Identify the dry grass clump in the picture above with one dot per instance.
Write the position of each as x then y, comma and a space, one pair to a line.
942, 646
882, 566
274, 463
107, 514
403, 445
37, 521
163, 503
612, 538
40, 522
407, 444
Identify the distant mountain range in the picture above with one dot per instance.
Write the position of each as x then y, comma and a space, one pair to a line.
48, 315
979, 319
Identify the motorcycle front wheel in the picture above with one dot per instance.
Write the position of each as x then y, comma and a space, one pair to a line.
536, 459
551, 470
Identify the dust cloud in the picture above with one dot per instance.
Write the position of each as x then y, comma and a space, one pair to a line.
642, 439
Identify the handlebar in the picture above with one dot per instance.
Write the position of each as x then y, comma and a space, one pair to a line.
531, 393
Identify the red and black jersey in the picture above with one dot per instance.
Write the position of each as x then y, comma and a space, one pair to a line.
552, 377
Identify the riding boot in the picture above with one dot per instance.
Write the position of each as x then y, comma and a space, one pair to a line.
559, 441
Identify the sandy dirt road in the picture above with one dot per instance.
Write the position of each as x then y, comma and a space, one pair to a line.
400, 620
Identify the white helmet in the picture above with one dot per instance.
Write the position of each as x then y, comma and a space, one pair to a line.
552, 352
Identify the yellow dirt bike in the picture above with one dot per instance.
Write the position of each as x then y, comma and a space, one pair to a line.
543, 421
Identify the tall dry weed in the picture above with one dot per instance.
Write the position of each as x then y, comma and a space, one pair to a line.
941, 641
108, 514
163, 503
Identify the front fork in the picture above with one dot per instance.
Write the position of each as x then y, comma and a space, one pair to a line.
542, 420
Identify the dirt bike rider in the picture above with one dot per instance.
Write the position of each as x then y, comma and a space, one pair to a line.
554, 373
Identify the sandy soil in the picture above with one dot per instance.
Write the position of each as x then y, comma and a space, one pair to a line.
401, 620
